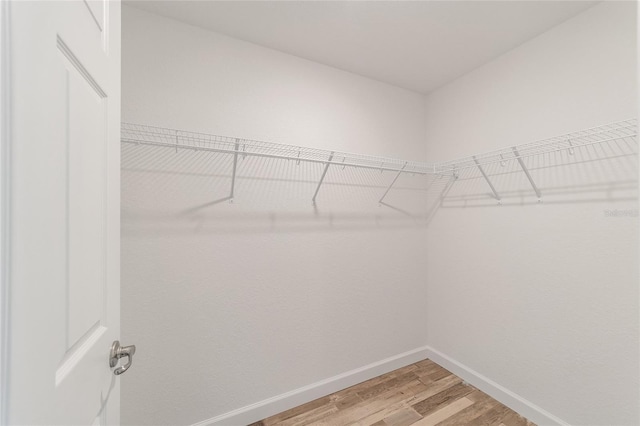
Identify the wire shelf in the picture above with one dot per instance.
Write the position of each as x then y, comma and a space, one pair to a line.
180, 139
610, 141
609, 135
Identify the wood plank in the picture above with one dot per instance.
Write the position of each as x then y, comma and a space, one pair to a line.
481, 404
404, 370
444, 413
387, 385
310, 417
409, 401
374, 404
491, 417
345, 401
442, 398
439, 373
301, 409
361, 387
404, 417
478, 396
425, 363
514, 419
431, 370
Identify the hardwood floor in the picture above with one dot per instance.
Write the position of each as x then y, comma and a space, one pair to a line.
421, 394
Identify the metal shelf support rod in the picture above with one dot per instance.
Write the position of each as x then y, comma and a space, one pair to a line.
324, 173
493, 189
235, 165
392, 183
526, 172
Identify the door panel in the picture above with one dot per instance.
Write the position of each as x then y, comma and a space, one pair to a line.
86, 144
65, 212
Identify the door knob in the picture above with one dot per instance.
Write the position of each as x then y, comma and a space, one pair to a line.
118, 352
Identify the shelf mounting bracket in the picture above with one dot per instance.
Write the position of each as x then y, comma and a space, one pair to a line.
392, 182
493, 189
235, 166
324, 173
526, 172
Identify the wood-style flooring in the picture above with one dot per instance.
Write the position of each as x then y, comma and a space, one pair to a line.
421, 394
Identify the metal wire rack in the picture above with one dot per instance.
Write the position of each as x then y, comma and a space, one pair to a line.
608, 134
603, 142
180, 139
610, 140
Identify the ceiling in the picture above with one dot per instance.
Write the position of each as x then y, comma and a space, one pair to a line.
417, 45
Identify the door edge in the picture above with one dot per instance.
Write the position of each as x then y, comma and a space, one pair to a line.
5, 208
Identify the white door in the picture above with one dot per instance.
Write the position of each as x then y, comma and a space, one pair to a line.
64, 217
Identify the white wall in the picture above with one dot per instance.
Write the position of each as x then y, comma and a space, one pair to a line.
543, 299
231, 304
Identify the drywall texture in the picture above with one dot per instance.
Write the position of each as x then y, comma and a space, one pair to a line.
543, 298
231, 304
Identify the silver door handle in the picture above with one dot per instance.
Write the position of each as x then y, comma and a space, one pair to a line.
118, 352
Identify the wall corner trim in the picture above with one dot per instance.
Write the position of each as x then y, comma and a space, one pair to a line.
274, 405
500, 393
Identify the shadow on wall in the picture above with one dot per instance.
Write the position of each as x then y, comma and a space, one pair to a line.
168, 191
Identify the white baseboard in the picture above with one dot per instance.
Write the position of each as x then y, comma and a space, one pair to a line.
268, 407
510, 399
